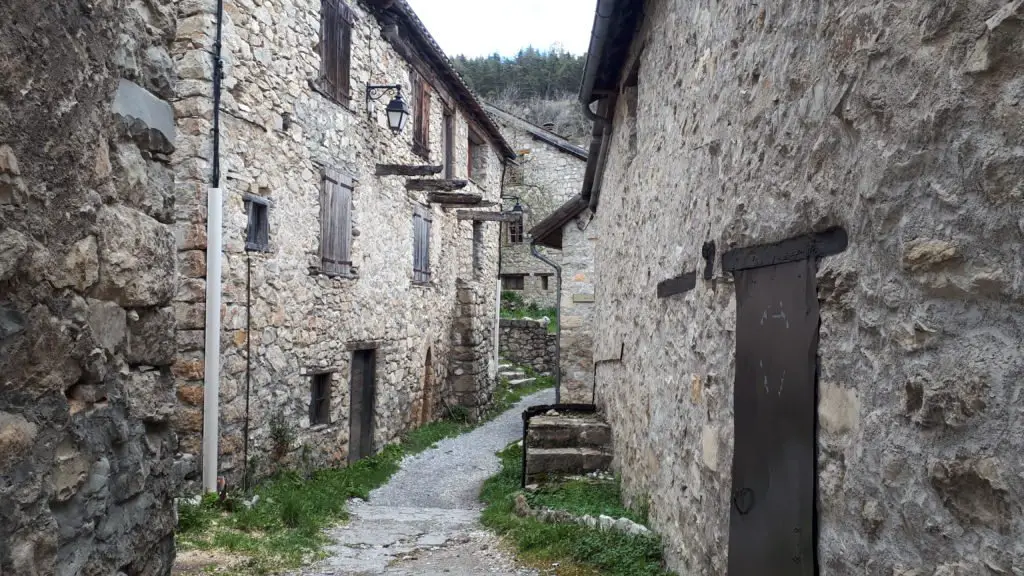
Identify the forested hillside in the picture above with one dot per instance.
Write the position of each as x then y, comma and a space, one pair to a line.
540, 86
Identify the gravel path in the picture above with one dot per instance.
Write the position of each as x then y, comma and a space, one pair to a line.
425, 520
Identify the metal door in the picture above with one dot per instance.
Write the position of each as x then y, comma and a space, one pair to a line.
772, 530
362, 393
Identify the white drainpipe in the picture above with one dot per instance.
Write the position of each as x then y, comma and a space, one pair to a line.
211, 391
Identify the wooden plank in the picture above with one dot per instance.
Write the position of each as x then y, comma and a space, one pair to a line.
402, 170
677, 285
487, 216
467, 198
435, 185
819, 245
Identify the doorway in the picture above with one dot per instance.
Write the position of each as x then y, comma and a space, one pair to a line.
362, 392
773, 512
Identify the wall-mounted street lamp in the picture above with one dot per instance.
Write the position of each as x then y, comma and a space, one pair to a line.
518, 207
398, 111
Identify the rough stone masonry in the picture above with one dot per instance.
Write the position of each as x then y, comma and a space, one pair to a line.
87, 274
902, 122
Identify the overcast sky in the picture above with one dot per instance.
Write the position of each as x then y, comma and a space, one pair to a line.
482, 27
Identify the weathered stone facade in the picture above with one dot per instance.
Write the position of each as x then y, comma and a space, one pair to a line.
471, 380
528, 343
901, 123
87, 273
576, 338
279, 134
548, 172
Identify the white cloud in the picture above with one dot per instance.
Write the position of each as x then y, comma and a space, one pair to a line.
482, 27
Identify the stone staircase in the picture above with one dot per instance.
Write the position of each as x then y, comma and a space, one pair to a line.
516, 377
566, 442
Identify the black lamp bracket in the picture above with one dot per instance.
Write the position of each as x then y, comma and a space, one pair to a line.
378, 91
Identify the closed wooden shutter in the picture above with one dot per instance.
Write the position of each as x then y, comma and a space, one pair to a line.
336, 224
335, 48
421, 221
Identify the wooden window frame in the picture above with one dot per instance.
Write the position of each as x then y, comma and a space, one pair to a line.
336, 19
257, 230
421, 115
320, 399
422, 218
520, 282
336, 209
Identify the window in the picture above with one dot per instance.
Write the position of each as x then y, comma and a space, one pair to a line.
336, 224
320, 400
421, 220
544, 282
257, 233
335, 49
421, 121
512, 281
477, 158
449, 144
515, 231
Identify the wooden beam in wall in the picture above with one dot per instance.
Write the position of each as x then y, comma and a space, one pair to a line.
402, 170
487, 216
436, 185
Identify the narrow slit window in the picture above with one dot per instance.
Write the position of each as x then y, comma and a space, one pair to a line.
257, 232
544, 283
320, 400
477, 158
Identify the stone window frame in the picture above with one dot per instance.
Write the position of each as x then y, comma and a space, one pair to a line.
336, 28
520, 282
422, 223
320, 388
257, 229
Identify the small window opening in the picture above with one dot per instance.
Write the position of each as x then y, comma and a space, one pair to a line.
512, 282
515, 232
320, 400
544, 283
257, 232
477, 158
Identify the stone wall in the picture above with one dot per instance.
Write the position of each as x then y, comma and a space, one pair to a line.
527, 343
87, 273
278, 133
901, 122
472, 384
579, 237
547, 177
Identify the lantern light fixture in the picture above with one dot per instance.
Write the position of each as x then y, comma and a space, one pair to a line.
397, 110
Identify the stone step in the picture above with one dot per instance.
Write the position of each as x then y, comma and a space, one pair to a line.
521, 382
570, 461
569, 432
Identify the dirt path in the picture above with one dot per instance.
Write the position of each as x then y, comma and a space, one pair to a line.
425, 520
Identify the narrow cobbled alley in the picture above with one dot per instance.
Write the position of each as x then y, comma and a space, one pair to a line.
426, 519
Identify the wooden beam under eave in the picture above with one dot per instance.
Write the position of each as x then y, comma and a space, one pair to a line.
435, 185
458, 198
488, 216
402, 170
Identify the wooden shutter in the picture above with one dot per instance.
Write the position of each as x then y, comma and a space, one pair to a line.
421, 220
336, 224
421, 123
335, 48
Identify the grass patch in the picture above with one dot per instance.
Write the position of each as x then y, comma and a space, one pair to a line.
515, 308
284, 529
577, 549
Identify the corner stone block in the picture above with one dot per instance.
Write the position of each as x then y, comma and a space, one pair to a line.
149, 120
150, 396
137, 258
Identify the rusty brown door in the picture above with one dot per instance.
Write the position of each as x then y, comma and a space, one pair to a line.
772, 530
362, 394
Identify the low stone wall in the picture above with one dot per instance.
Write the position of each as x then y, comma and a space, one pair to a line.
527, 343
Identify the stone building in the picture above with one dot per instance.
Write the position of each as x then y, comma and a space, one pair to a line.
87, 275
358, 294
810, 307
548, 171
571, 232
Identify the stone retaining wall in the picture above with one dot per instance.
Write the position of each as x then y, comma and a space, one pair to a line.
527, 343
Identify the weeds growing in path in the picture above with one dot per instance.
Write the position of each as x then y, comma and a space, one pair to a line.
285, 527
577, 549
